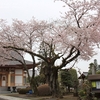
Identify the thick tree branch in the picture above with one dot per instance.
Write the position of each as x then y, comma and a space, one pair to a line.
27, 51
67, 61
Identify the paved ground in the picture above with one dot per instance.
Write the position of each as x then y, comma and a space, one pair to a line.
2, 99
5, 97
27, 97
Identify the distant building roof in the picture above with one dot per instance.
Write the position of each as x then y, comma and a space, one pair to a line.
82, 76
85, 73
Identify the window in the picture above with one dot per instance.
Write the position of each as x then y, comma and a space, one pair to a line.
94, 84
98, 84
3, 78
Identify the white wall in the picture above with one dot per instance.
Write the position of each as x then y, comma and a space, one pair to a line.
18, 80
18, 77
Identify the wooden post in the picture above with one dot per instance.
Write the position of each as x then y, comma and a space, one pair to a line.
9, 79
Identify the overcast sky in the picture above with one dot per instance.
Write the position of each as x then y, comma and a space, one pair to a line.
41, 10
26, 9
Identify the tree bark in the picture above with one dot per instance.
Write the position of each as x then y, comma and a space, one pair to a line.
53, 83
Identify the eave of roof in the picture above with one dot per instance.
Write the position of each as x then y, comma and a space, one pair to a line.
94, 77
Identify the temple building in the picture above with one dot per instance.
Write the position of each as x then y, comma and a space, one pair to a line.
13, 74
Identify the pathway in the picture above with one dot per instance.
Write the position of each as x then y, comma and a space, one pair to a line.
19, 97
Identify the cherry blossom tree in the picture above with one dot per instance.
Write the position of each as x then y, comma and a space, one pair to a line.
16, 38
73, 37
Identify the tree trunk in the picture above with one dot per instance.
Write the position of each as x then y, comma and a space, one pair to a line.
32, 83
53, 83
69, 89
51, 75
34, 87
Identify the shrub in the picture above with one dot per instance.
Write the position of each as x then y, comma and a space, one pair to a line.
18, 89
24, 90
44, 90
82, 93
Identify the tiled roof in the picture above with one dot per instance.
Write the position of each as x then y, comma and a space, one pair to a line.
13, 63
17, 62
